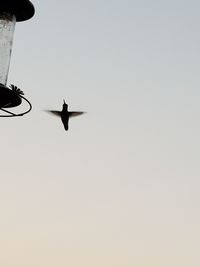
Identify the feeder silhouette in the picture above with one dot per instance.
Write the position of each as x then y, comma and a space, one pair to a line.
11, 11
64, 114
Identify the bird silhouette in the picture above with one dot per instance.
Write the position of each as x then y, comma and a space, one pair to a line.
65, 114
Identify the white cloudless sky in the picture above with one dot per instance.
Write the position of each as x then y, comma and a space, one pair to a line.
121, 187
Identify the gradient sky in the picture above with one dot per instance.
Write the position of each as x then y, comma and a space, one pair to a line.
121, 187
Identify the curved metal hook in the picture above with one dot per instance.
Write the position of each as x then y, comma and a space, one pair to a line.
20, 114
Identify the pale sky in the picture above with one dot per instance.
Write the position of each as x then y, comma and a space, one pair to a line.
121, 187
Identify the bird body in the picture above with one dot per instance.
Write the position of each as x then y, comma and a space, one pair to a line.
65, 114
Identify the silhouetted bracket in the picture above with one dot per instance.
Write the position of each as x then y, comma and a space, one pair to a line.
10, 98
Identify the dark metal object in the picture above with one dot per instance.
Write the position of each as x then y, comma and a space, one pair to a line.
10, 98
22, 9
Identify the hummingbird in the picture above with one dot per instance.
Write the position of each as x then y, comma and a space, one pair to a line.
65, 114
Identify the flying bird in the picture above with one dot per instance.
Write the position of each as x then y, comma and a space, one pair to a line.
65, 114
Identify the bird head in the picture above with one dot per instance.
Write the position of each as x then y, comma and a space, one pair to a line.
65, 106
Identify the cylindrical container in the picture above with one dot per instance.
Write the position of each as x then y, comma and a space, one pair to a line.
7, 27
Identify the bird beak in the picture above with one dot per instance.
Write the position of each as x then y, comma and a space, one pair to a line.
64, 101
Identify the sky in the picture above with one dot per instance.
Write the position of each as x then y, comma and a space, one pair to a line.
121, 187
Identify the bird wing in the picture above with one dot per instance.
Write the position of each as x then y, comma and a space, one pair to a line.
54, 112
75, 113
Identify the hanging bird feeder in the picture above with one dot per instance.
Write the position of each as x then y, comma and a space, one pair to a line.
11, 11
